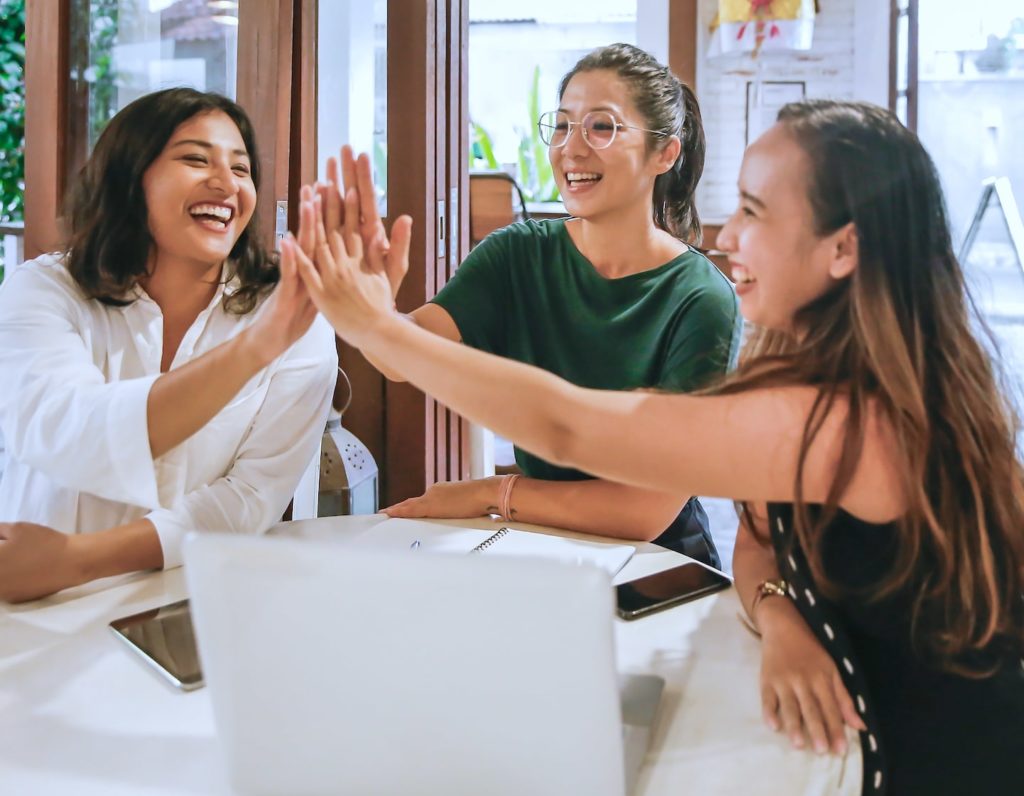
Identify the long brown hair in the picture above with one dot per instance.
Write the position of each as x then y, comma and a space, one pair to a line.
669, 107
897, 336
108, 245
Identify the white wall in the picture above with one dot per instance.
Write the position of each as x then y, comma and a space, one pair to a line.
848, 60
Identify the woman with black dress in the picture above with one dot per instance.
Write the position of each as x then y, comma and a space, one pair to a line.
881, 553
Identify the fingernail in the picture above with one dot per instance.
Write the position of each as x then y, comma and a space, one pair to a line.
798, 741
840, 747
820, 747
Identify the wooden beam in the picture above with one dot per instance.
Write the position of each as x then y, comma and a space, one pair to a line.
47, 35
682, 40
264, 89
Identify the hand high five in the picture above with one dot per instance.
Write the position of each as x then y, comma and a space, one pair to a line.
356, 174
348, 268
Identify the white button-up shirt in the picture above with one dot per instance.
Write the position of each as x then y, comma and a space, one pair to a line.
75, 376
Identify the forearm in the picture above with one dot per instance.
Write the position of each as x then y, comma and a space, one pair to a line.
595, 506
115, 551
512, 399
752, 564
185, 399
387, 372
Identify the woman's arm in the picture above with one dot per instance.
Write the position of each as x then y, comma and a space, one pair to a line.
251, 496
593, 506
185, 399
802, 693
281, 440
744, 446
60, 415
36, 561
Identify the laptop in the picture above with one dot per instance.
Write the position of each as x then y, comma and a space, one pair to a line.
335, 670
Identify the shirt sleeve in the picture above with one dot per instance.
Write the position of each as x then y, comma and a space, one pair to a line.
282, 439
475, 296
57, 411
705, 342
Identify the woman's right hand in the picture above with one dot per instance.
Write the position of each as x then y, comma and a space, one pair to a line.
350, 287
355, 174
801, 690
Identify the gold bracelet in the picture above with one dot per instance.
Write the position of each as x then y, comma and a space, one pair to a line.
768, 588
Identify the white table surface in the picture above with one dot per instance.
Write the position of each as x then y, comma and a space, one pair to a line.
81, 715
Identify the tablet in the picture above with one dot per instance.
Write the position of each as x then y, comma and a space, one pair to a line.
163, 637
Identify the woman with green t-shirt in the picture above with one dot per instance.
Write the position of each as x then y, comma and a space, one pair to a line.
612, 298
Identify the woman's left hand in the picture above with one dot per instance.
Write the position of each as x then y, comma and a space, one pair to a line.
35, 561
451, 499
349, 286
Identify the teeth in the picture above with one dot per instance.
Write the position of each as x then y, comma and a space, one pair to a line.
217, 211
741, 275
573, 176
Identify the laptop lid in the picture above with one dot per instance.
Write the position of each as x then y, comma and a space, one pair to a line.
335, 670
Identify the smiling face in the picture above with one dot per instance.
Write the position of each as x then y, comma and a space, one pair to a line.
779, 262
599, 183
199, 192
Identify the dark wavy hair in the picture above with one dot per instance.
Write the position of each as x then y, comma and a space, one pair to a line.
898, 335
108, 243
669, 107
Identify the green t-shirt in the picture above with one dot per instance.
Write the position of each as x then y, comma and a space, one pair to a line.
527, 293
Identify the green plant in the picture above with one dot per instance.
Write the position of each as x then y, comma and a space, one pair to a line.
12, 110
101, 73
533, 171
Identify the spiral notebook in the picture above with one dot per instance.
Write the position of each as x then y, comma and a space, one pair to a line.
431, 537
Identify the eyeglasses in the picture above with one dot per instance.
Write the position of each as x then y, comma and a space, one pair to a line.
599, 129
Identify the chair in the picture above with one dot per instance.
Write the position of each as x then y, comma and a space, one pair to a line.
495, 201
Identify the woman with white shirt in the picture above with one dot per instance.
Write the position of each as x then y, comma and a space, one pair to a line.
150, 384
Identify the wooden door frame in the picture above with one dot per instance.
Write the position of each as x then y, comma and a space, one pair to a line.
427, 165
47, 31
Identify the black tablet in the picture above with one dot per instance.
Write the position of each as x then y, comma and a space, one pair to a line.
163, 637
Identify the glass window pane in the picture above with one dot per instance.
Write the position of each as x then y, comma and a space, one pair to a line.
122, 49
518, 53
352, 101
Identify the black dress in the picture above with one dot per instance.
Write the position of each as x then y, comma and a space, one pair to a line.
929, 732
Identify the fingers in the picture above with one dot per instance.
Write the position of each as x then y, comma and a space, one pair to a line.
318, 215
350, 229
397, 262
306, 269
832, 715
348, 169
306, 237
369, 217
770, 708
789, 714
813, 719
407, 508
846, 706
333, 207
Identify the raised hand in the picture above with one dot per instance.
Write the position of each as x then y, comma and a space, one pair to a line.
349, 285
357, 174
288, 313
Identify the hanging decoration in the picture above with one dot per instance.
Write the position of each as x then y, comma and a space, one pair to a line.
755, 26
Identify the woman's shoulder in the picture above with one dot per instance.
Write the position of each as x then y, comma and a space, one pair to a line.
529, 232
46, 275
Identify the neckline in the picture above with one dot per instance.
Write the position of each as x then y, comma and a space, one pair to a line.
583, 259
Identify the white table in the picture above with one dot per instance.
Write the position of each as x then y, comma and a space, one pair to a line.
79, 714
